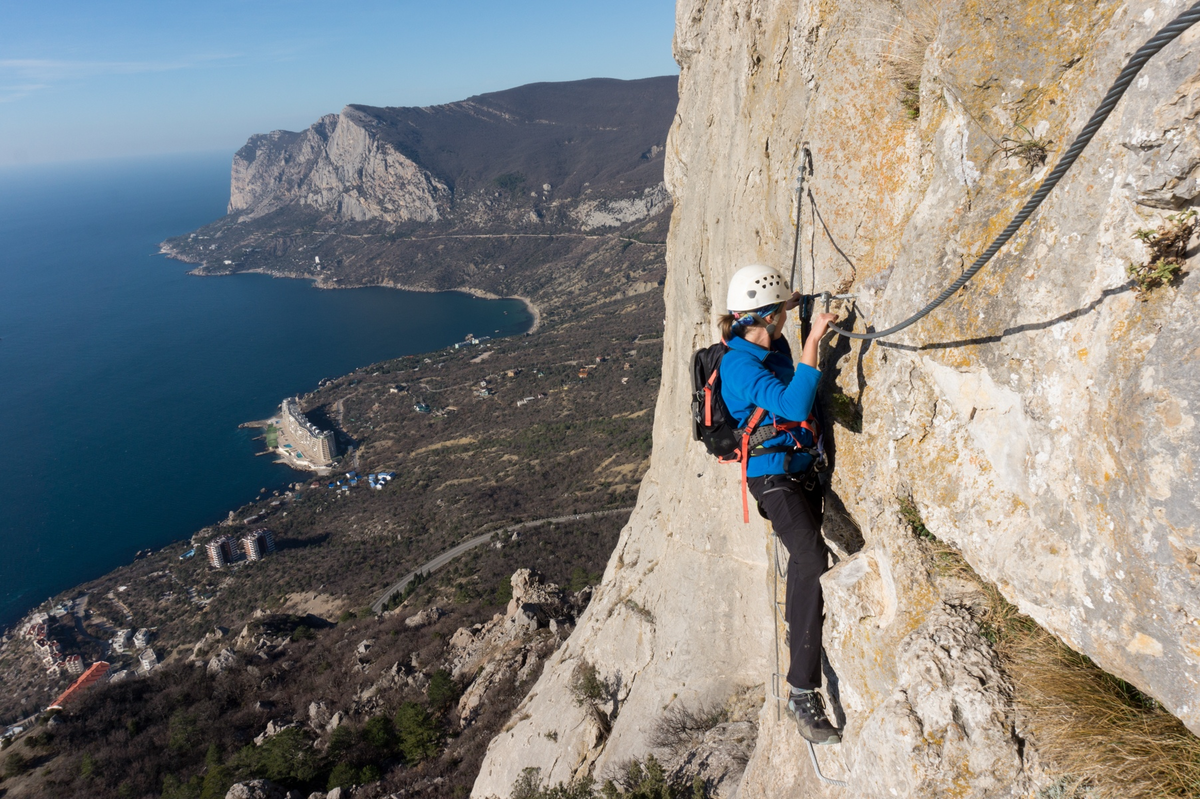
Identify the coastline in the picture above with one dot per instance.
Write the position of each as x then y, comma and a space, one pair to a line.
319, 281
17, 606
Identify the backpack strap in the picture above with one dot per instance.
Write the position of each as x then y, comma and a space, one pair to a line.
708, 397
708, 389
746, 432
812, 426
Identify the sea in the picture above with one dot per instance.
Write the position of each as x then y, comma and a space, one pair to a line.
123, 379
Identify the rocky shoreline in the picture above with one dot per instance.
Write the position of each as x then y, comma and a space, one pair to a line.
320, 281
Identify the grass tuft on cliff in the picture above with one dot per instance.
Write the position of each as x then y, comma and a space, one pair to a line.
1167, 246
904, 54
1107, 738
1096, 727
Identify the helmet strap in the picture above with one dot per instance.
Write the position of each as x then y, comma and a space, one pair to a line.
770, 327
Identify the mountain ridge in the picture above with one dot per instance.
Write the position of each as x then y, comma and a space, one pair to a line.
342, 203
419, 164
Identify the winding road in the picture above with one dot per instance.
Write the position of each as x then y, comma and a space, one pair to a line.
564, 235
450, 554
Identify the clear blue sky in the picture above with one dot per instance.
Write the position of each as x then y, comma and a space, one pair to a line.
83, 80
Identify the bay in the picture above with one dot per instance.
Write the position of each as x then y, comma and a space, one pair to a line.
123, 379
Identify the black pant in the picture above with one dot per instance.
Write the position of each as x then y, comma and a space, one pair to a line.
795, 512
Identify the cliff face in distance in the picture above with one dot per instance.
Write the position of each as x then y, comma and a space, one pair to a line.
492, 194
336, 167
423, 164
1041, 423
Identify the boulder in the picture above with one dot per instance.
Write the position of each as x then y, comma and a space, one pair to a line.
222, 661
274, 727
529, 616
256, 789
424, 617
528, 589
462, 638
318, 714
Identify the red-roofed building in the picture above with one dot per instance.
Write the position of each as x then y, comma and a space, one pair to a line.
93, 675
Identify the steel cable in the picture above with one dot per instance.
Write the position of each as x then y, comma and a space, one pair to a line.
1144, 53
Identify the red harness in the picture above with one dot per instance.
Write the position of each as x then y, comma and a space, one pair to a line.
742, 455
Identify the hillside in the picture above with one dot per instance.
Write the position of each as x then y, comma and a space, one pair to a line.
563, 429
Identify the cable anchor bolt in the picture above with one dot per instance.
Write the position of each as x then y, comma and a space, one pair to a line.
828, 298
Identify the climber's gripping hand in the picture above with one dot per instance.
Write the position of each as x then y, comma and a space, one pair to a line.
820, 324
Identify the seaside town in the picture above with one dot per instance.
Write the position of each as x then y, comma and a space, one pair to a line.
71, 639
69, 627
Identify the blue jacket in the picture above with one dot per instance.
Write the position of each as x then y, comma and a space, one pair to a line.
754, 377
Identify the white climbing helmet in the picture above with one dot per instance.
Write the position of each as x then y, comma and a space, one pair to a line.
754, 287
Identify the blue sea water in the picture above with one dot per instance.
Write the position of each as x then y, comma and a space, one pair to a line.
123, 379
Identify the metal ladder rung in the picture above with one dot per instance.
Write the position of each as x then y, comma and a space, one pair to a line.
812, 755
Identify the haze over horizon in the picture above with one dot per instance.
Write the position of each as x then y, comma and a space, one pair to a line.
80, 81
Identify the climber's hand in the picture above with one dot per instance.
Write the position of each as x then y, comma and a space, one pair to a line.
821, 322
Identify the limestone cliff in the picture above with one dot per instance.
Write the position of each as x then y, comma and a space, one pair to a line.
337, 167
1042, 422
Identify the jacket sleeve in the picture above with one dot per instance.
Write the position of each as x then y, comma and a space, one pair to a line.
756, 385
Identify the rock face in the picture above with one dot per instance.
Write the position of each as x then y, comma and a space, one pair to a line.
1042, 421
336, 166
508, 647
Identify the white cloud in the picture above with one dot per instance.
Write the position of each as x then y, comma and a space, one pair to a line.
15, 92
34, 74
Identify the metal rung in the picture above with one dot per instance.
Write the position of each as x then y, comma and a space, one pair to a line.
781, 611
778, 679
812, 754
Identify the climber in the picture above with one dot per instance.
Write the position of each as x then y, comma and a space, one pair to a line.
757, 372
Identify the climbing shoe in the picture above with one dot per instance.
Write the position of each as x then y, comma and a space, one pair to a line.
809, 709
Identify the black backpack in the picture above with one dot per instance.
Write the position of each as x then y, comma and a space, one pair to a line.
711, 421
